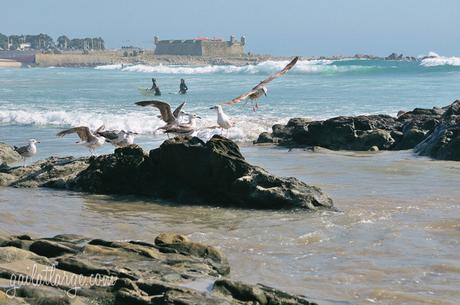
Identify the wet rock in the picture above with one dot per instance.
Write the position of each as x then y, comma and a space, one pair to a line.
180, 170
180, 256
50, 249
8, 154
410, 139
263, 138
444, 141
52, 172
374, 148
171, 242
257, 294
433, 131
187, 169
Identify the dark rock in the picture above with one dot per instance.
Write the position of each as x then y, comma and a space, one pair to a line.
180, 170
187, 169
257, 294
50, 249
263, 138
444, 141
410, 139
434, 132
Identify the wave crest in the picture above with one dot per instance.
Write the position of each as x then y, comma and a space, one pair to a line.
246, 129
433, 60
266, 67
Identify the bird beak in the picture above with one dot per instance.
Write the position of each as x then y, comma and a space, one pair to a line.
265, 93
38, 141
198, 117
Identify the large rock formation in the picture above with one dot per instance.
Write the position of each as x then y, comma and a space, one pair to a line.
444, 141
437, 129
181, 169
73, 269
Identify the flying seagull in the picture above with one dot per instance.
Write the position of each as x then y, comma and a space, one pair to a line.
170, 118
184, 129
118, 138
27, 151
261, 88
88, 138
223, 120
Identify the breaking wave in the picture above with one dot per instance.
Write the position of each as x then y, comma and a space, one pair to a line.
433, 60
304, 66
246, 129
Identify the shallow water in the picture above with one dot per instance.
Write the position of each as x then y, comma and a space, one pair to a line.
395, 241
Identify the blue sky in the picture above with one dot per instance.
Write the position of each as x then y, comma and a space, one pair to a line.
288, 27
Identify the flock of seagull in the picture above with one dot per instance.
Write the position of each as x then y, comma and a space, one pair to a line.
175, 125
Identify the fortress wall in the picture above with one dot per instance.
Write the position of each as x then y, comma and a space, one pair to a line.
221, 48
72, 59
178, 47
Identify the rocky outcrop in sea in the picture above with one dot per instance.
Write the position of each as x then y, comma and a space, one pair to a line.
180, 170
72, 269
432, 132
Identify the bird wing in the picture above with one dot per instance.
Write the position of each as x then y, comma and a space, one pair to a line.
164, 108
244, 96
21, 150
109, 134
178, 109
83, 133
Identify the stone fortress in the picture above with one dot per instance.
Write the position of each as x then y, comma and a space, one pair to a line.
201, 47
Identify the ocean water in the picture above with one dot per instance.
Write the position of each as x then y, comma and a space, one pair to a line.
396, 239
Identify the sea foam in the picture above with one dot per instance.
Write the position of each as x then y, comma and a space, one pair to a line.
266, 67
246, 129
435, 59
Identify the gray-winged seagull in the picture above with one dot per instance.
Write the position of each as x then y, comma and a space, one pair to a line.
27, 151
87, 137
261, 88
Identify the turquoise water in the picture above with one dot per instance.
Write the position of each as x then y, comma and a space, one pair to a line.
62, 97
394, 241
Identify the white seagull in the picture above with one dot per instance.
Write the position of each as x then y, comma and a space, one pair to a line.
223, 120
87, 137
170, 118
261, 88
184, 129
27, 151
118, 138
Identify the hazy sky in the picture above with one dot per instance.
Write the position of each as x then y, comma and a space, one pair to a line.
288, 27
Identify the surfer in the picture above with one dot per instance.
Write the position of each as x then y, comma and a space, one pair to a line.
182, 87
155, 87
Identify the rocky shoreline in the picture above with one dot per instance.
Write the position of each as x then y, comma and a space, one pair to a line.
430, 132
181, 170
72, 269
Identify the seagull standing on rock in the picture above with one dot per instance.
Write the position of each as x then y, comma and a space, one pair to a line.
223, 120
27, 151
88, 138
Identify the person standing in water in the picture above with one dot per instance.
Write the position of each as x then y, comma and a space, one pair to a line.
155, 87
182, 87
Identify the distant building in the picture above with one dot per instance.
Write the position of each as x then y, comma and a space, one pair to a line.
200, 47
